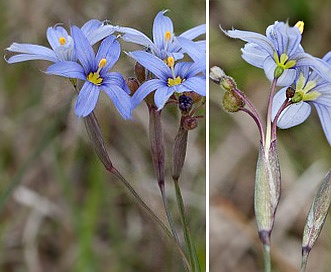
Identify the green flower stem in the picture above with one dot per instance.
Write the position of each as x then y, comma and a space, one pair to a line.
268, 139
158, 158
252, 112
304, 261
169, 215
267, 259
194, 260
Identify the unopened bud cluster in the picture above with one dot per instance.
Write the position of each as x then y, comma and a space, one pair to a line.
232, 100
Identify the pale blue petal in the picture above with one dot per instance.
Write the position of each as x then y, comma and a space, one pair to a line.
161, 25
114, 78
294, 115
253, 55
197, 67
175, 55
110, 50
324, 113
90, 26
84, 50
286, 79
87, 99
26, 57
194, 32
66, 51
31, 52
286, 39
54, 34
67, 69
135, 36
121, 100
202, 44
145, 89
318, 65
152, 63
327, 57
95, 30
182, 69
252, 37
324, 99
162, 95
196, 84
191, 48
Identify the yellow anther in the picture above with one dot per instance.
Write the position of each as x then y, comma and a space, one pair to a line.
171, 62
300, 25
62, 40
174, 81
167, 36
102, 63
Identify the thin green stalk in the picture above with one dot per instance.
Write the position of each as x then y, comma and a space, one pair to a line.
172, 224
188, 239
158, 159
304, 261
139, 200
267, 259
169, 215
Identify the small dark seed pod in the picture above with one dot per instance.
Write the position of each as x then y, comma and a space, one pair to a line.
290, 92
185, 103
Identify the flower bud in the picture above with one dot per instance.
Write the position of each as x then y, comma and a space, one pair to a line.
216, 74
190, 123
219, 77
133, 84
232, 102
94, 132
267, 190
317, 215
179, 151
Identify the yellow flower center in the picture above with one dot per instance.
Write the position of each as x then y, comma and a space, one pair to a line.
95, 77
174, 81
62, 40
304, 91
283, 61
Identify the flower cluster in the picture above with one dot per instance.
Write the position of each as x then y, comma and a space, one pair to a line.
74, 57
306, 81
161, 59
286, 64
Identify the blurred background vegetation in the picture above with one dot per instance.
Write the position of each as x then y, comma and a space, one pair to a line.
59, 209
305, 155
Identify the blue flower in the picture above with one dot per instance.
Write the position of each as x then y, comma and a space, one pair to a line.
279, 53
94, 70
61, 43
309, 88
164, 43
171, 78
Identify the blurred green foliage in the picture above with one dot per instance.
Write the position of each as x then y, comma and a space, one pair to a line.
59, 209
